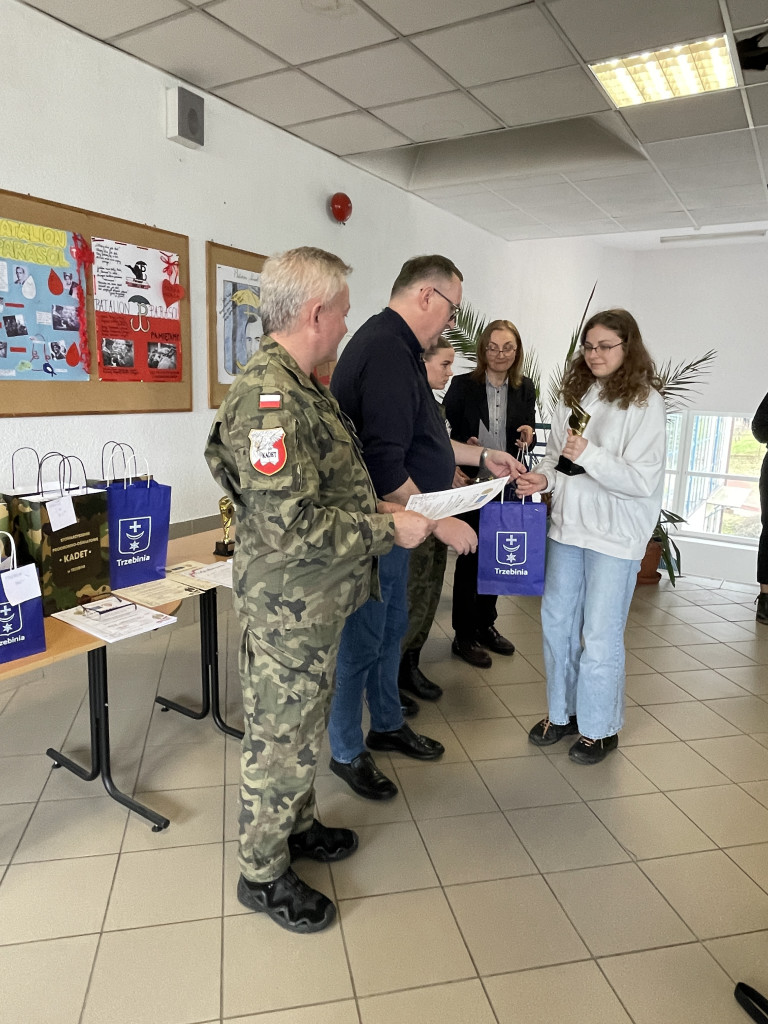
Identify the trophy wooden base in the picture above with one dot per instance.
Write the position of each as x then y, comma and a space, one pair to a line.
224, 548
569, 468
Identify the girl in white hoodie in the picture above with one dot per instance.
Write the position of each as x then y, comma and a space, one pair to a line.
602, 518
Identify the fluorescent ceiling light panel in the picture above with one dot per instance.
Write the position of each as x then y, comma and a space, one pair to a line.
685, 69
713, 236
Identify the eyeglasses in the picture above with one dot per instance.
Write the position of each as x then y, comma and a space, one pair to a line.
508, 350
455, 310
602, 348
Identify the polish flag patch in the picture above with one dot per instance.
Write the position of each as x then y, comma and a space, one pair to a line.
270, 401
268, 453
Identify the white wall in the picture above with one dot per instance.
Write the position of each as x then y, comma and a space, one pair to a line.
89, 131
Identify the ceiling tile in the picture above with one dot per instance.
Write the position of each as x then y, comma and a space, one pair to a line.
587, 227
350, 133
407, 16
518, 42
287, 97
733, 195
615, 28
714, 175
540, 195
733, 214
440, 192
383, 74
509, 219
747, 13
479, 202
108, 17
757, 96
302, 30
646, 222
438, 117
647, 185
198, 49
730, 147
687, 116
523, 181
550, 96
564, 213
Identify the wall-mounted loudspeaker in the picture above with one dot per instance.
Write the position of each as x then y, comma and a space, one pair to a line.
186, 117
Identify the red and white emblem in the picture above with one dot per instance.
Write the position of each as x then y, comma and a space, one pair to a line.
268, 454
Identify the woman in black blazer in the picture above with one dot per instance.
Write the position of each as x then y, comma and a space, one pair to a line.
494, 406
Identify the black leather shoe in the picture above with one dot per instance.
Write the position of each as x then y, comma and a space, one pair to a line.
491, 638
411, 678
405, 741
586, 751
290, 902
761, 615
545, 733
323, 844
471, 653
408, 706
364, 777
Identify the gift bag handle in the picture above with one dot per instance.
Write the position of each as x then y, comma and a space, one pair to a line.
115, 444
132, 459
67, 461
749, 999
523, 453
3, 533
24, 448
48, 455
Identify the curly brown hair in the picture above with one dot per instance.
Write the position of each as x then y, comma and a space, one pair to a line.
515, 372
631, 383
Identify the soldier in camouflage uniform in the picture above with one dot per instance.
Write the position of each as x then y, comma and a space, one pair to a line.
307, 535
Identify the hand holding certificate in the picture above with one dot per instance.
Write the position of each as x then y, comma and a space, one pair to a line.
440, 504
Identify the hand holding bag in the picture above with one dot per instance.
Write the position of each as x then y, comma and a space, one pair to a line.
511, 548
22, 630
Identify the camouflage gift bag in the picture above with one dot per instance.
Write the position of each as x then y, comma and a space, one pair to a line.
22, 631
73, 562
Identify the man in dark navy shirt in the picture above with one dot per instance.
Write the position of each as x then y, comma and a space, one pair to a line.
381, 384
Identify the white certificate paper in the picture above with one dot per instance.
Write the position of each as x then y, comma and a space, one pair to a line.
440, 504
113, 618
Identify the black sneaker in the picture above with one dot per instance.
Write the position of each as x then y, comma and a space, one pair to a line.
290, 903
322, 843
762, 607
545, 733
586, 751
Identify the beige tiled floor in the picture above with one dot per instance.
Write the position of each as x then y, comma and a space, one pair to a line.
503, 884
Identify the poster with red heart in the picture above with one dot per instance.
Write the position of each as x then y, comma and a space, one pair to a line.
136, 294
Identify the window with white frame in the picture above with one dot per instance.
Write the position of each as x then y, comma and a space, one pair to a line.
713, 467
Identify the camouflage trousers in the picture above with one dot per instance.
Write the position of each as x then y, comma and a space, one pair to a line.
425, 583
287, 690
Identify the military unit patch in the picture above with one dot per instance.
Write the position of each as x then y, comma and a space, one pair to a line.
268, 453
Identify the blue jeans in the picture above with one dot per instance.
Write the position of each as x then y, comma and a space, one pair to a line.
369, 660
586, 595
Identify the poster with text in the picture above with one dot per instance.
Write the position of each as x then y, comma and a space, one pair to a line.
136, 295
41, 313
238, 319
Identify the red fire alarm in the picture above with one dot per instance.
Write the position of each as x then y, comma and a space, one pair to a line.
341, 207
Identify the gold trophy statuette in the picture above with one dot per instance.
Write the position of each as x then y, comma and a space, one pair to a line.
225, 548
577, 421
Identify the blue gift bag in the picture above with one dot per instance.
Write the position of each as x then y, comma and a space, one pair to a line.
138, 512
511, 548
22, 631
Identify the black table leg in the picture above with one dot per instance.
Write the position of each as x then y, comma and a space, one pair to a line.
98, 701
209, 660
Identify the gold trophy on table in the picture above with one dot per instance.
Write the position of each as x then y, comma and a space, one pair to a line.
225, 548
577, 421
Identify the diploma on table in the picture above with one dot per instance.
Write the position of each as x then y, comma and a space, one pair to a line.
439, 504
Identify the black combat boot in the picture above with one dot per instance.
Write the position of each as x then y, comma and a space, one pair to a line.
290, 902
413, 680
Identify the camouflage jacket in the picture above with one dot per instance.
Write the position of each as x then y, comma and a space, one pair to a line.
307, 527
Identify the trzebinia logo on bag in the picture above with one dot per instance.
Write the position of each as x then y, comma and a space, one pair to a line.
511, 553
10, 624
133, 537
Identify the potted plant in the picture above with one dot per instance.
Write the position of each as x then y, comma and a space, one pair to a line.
676, 385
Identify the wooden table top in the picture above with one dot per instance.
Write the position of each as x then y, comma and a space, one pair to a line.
65, 641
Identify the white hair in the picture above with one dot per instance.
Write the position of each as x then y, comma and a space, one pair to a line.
292, 278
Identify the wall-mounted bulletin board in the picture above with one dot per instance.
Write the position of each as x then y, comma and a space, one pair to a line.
94, 313
234, 318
